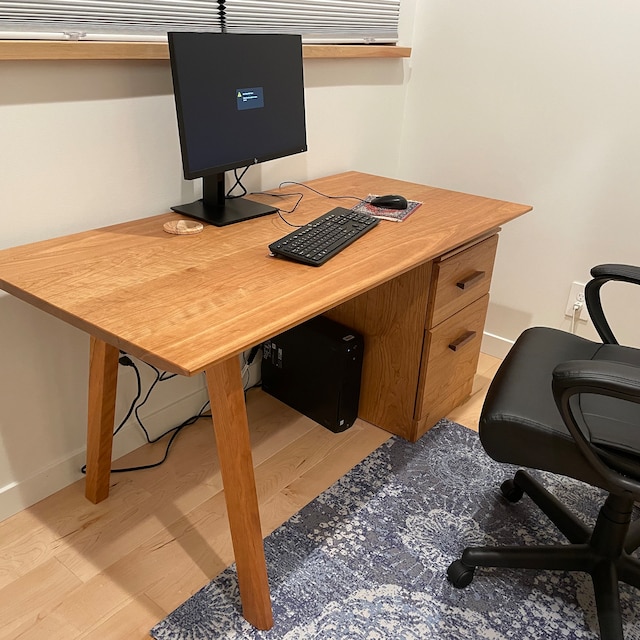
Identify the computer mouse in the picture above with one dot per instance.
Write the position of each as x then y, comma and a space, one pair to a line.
390, 202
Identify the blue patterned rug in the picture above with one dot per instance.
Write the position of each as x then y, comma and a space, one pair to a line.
368, 557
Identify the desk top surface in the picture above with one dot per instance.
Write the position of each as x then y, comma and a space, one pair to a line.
187, 302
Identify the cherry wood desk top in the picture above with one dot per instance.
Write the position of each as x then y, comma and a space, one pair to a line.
184, 303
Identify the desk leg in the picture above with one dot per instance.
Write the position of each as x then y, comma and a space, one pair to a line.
231, 427
103, 378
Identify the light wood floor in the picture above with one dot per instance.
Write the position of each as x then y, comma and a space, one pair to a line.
71, 569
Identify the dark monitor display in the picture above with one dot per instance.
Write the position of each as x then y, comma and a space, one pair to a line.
239, 101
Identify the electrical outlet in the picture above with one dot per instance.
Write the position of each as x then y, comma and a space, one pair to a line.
576, 296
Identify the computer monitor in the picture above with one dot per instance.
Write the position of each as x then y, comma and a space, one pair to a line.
239, 101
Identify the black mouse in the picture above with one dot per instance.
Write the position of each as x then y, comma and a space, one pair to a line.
390, 202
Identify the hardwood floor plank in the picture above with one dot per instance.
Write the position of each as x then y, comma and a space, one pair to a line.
132, 622
50, 627
317, 447
93, 603
37, 534
33, 596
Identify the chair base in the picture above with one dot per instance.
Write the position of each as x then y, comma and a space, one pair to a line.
602, 552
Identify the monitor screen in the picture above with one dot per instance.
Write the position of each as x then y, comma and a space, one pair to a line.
239, 101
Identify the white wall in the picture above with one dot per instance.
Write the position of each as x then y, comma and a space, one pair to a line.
86, 144
535, 102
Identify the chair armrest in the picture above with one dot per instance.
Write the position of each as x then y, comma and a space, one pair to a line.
613, 379
601, 274
604, 377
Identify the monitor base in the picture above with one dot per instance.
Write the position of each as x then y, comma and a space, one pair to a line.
232, 211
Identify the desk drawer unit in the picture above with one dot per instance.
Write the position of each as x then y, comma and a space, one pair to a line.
453, 333
422, 333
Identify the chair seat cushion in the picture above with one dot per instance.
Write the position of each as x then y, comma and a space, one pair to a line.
521, 424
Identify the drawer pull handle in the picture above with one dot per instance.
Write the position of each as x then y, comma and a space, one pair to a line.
462, 340
471, 280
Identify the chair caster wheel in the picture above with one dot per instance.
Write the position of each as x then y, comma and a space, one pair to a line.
511, 491
459, 574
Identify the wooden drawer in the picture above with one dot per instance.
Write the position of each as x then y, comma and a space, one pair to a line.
450, 357
461, 279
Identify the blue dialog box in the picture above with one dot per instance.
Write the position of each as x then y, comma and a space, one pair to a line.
252, 98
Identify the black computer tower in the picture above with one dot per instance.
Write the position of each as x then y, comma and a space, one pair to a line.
316, 368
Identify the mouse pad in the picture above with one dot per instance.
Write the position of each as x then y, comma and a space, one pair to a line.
397, 215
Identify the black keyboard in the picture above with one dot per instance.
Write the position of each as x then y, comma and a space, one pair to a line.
324, 237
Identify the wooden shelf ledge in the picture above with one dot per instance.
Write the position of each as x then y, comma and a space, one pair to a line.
83, 50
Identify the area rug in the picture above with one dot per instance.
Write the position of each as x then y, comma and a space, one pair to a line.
368, 558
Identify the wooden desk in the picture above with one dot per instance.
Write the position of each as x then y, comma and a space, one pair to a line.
189, 304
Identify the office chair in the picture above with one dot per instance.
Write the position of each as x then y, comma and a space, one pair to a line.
571, 406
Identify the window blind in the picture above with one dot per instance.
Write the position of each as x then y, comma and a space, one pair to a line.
316, 20
350, 20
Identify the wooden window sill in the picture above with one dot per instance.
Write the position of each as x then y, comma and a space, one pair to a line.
83, 50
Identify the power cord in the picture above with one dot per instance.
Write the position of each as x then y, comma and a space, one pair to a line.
281, 211
575, 316
174, 431
238, 183
324, 195
247, 363
136, 405
301, 184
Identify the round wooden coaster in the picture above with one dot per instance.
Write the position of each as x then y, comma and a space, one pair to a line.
183, 227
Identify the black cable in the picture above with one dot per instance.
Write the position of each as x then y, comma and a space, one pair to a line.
174, 431
134, 407
253, 353
141, 404
126, 361
238, 183
280, 211
294, 193
324, 195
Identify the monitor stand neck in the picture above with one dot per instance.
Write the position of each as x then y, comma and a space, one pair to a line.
215, 209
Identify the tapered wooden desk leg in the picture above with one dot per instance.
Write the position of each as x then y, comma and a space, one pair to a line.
231, 427
103, 378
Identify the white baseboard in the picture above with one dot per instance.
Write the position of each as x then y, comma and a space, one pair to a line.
495, 346
16, 496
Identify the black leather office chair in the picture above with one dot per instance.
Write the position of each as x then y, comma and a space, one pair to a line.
571, 406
